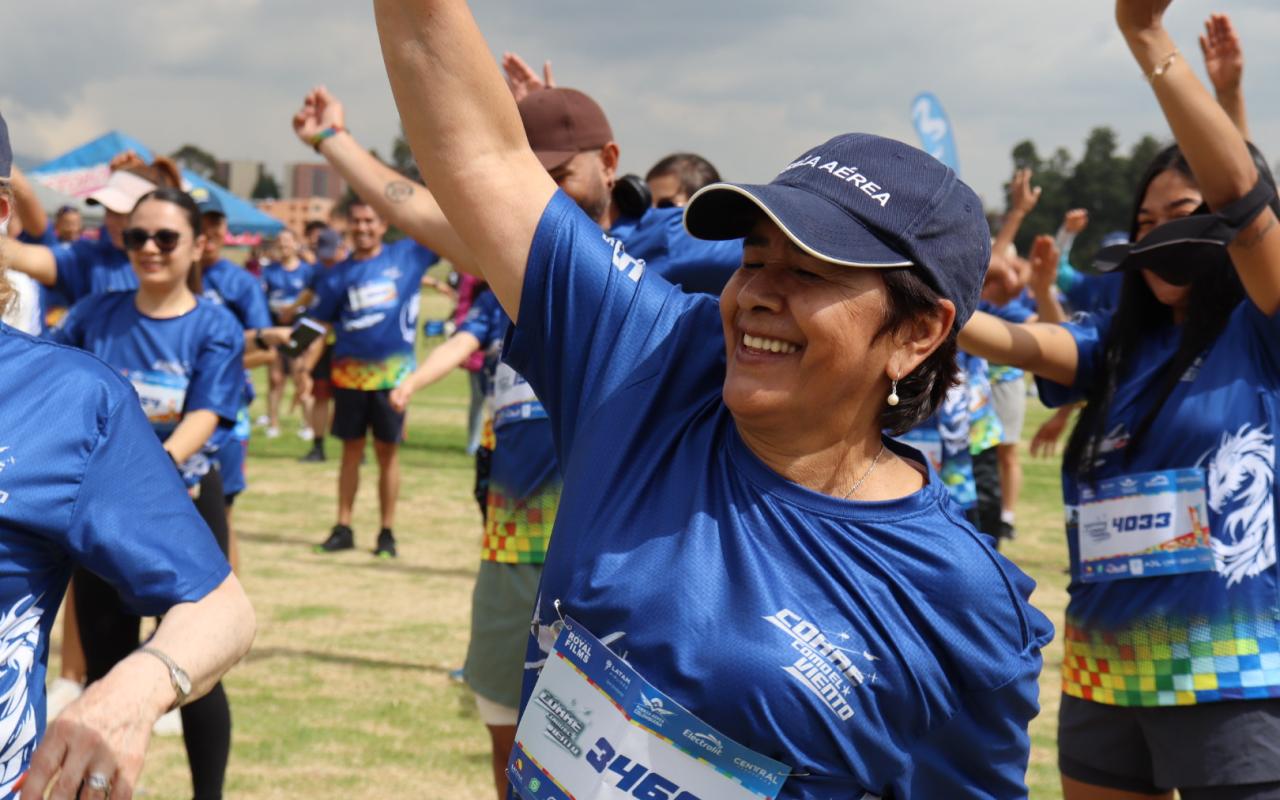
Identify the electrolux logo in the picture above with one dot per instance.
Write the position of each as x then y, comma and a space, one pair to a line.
706, 741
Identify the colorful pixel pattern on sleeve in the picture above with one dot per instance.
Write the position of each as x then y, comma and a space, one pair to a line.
518, 531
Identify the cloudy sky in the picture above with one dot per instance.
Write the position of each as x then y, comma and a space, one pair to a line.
747, 83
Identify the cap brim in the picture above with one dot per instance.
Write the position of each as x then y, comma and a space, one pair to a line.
552, 159
112, 199
1198, 229
816, 225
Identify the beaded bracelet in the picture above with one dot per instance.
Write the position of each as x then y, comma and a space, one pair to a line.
327, 133
1162, 67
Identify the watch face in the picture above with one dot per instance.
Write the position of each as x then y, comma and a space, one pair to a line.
183, 680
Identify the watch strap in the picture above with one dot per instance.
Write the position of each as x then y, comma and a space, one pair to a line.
176, 674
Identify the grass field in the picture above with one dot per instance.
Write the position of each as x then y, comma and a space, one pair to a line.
347, 689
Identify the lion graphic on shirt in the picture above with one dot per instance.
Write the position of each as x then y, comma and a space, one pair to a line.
19, 641
1241, 491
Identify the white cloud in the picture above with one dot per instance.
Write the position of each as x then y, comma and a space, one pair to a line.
747, 83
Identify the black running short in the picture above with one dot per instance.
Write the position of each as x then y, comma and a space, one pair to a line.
1219, 751
357, 412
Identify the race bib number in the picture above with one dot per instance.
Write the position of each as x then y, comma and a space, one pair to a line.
1144, 525
374, 294
595, 729
513, 398
928, 441
163, 396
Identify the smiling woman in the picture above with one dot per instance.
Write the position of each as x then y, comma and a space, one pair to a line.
739, 553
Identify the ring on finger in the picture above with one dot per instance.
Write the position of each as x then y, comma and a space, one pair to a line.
98, 782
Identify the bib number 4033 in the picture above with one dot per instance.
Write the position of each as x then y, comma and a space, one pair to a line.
1141, 522
633, 776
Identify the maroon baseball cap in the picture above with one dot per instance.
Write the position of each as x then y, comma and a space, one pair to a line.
561, 123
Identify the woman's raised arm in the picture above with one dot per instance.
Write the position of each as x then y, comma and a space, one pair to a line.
465, 131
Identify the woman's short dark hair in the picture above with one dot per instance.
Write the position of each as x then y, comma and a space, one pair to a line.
191, 211
691, 170
922, 391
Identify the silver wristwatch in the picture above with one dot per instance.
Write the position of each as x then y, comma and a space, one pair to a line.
178, 677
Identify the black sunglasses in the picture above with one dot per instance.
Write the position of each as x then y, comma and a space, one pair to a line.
137, 238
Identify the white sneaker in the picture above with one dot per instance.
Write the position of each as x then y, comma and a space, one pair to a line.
306, 434
62, 693
168, 725
273, 432
263, 421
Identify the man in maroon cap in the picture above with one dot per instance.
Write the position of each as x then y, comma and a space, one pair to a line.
572, 138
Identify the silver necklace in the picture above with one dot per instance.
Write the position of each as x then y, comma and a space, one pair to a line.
865, 475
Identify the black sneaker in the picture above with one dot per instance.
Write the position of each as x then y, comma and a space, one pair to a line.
1007, 531
316, 455
386, 544
340, 538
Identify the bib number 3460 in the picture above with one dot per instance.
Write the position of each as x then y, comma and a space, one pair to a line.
633, 776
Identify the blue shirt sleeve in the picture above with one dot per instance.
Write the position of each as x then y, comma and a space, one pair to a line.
72, 330
329, 291
417, 254
590, 317
217, 382
481, 319
132, 522
248, 302
1089, 332
72, 262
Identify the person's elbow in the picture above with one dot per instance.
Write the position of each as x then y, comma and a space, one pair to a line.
236, 617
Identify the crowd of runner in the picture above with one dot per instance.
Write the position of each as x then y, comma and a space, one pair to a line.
774, 569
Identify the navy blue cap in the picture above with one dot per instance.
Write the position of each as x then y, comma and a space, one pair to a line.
861, 200
207, 201
327, 243
6, 152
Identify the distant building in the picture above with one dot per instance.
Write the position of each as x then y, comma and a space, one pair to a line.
297, 212
315, 180
240, 177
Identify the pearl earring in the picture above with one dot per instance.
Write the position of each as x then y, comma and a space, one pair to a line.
893, 393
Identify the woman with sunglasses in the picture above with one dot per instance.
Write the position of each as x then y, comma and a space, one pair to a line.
184, 356
1172, 656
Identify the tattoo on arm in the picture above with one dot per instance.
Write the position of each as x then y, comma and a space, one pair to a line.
1252, 241
398, 191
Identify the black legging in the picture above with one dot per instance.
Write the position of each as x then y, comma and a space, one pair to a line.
109, 632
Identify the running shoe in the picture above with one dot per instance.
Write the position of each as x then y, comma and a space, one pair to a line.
340, 538
263, 421
315, 456
306, 434
386, 544
273, 432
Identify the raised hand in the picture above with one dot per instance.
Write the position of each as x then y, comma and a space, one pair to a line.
1022, 195
1075, 221
1045, 442
1135, 16
1223, 55
1044, 264
320, 110
522, 79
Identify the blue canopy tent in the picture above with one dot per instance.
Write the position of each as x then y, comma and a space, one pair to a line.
84, 169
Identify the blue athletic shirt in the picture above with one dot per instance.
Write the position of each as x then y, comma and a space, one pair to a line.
374, 303
232, 287
176, 365
82, 481
88, 267
944, 438
1089, 293
524, 456
284, 286
1205, 636
659, 239
711, 574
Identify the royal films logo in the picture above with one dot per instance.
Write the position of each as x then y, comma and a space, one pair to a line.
652, 710
826, 669
563, 726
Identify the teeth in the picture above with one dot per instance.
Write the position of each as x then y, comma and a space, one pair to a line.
770, 345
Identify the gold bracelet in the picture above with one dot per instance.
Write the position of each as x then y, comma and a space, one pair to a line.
1162, 67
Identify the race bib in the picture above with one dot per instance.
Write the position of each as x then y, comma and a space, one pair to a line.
163, 396
1144, 525
513, 398
373, 294
595, 729
928, 441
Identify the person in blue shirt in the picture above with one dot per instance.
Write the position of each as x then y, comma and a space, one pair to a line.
736, 539
371, 299
677, 177
284, 281
184, 357
1171, 671
522, 496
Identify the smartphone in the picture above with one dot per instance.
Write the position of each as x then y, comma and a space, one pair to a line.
303, 334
